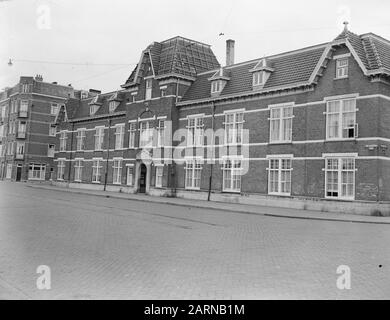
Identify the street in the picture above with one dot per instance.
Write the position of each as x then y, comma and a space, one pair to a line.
105, 248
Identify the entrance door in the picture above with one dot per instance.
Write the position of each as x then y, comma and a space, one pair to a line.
18, 173
142, 179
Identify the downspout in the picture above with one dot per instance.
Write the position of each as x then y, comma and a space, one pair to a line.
212, 149
108, 154
71, 152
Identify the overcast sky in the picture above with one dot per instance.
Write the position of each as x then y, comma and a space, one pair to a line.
96, 43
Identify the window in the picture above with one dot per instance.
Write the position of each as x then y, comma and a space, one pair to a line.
112, 106
51, 150
341, 119
132, 133
52, 130
9, 171
119, 135
80, 139
281, 124
22, 127
159, 176
117, 172
93, 108
258, 78
232, 175
97, 170
146, 134
163, 91
3, 112
10, 148
99, 138
23, 106
130, 174
233, 127
20, 148
279, 176
216, 86
1, 131
133, 97
61, 169
78, 170
193, 173
195, 131
25, 88
341, 68
54, 109
148, 89
37, 171
84, 94
63, 139
340, 178
160, 133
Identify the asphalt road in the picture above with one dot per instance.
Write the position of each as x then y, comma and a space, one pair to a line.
105, 248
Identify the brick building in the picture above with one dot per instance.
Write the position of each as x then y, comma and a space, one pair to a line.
27, 135
310, 124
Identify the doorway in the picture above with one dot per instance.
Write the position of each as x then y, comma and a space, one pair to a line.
142, 179
18, 172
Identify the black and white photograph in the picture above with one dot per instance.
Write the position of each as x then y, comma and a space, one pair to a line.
202, 151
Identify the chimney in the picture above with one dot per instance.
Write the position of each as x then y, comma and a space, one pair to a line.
94, 91
39, 78
229, 52
55, 82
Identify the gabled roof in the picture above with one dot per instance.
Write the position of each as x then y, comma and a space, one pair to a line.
178, 55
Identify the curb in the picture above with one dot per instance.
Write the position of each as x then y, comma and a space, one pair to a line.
113, 196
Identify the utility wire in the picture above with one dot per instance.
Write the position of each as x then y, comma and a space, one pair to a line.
73, 63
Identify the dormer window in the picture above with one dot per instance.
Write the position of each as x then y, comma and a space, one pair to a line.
148, 89
216, 86
341, 68
93, 108
258, 78
112, 105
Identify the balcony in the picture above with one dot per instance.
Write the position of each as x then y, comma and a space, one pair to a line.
21, 135
22, 114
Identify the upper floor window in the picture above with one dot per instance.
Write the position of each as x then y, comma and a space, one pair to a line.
148, 89
23, 106
93, 108
216, 86
54, 109
281, 123
341, 68
234, 123
133, 97
63, 138
25, 88
258, 78
146, 134
112, 106
84, 94
80, 139
161, 133
22, 127
340, 177
99, 138
132, 133
119, 135
163, 91
51, 150
52, 130
341, 119
195, 131
159, 176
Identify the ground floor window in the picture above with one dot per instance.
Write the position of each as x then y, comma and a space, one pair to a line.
78, 170
159, 176
37, 171
279, 176
340, 178
232, 175
9, 171
97, 170
130, 176
117, 172
193, 174
61, 170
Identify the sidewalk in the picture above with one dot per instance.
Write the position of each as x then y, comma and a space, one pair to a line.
238, 208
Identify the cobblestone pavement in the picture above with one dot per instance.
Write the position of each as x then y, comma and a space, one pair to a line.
105, 248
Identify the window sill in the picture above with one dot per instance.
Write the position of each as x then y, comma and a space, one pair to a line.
279, 194
340, 139
280, 142
341, 78
96, 182
231, 191
192, 189
339, 199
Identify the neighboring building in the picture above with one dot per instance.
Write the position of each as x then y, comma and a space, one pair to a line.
27, 135
308, 124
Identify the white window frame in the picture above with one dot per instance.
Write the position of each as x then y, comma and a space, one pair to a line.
161, 133
112, 105
22, 126
234, 128
216, 86
32, 172
258, 78
97, 170
339, 116
132, 134
9, 171
339, 160
78, 169
93, 109
25, 88
283, 119
119, 136
145, 134
55, 107
193, 173
99, 138
52, 130
195, 130
80, 139
117, 171
233, 171
130, 175
23, 106
63, 138
148, 88
279, 170
51, 150
342, 66
159, 176
61, 169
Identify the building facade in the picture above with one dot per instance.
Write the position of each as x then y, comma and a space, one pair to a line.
27, 135
308, 128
